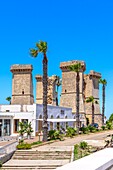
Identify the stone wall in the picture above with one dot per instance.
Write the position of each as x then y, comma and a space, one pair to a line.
91, 88
68, 95
52, 95
22, 84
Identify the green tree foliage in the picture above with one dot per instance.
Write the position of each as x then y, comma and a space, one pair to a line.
104, 83
83, 145
76, 68
9, 99
92, 101
111, 118
41, 47
70, 131
28, 129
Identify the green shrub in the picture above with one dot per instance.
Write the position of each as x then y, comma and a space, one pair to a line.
103, 127
36, 143
91, 128
24, 146
76, 151
109, 125
51, 134
84, 129
70, 131
83, 145
54, 134
0, 164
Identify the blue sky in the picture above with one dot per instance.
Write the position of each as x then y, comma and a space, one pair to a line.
74, 30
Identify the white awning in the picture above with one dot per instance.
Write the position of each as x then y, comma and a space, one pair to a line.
6, 114
60, 120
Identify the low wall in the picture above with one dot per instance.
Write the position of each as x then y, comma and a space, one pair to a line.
101, 160
6, 157
7, 151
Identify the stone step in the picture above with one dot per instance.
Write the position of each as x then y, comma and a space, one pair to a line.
40, 152
60, 153
33, 164
41, 158
29, 168
41, 155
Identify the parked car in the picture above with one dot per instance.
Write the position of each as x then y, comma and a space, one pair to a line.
95, 125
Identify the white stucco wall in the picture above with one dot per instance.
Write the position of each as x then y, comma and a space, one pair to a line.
54, 111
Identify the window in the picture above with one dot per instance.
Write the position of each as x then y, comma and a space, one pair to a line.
16, 125
22, 91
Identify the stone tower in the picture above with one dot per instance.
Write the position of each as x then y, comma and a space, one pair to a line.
68, 94
52, 95
22, 85
91, 88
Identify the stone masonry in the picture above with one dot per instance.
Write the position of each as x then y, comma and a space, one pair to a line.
52, 95
68, 94
22, 85
89, 86
22, 88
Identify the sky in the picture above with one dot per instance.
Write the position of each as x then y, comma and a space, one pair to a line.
74, 30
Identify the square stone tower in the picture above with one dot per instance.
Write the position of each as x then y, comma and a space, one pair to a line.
22, 84
52, 95
68, 94
91, 88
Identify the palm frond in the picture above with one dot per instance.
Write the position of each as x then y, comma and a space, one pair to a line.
42, 46
33, 52
90, 99
75, 67
8, 98
103, 81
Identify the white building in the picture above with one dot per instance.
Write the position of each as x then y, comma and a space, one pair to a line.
11, 115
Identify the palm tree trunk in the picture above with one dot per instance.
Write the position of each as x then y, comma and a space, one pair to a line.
92, 113
77, 102
103, 103
45, 115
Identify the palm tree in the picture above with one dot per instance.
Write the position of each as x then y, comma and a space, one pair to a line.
58, 83
104, 83
92, 100
76, 68
42, 48
9, 99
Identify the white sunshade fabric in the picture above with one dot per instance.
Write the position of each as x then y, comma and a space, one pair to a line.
6, 114
60, 120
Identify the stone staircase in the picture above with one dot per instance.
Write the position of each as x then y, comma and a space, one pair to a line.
42, 155
36, 159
